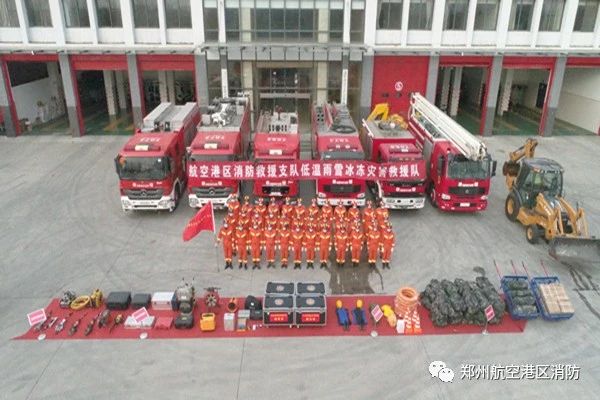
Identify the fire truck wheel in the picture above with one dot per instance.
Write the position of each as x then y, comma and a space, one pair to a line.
176, 194
432, 197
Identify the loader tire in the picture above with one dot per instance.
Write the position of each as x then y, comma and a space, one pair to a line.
512, 206
533, 234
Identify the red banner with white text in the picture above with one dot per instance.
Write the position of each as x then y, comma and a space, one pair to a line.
409, 170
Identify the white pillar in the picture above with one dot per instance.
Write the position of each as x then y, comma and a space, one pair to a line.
445, 88
568, 22
162, 86
221, 18
370, 22
535, 21
506, 91
247, 86
197, 22
171, 85
162, 22
321, 82
121, 90
503, 22
23, 21
57, 104
109, 87
437, 23
597, 32
404, 25
471, 21
128, 23
58, 21
344, 88
91, 6
455, 96
323, 25
347, 10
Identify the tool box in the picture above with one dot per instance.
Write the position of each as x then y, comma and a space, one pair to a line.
140, 300
278, 310
280, 288
164, 301
118, 300
311, 310
310, 288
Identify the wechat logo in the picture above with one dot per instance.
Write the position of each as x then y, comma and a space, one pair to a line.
438, 369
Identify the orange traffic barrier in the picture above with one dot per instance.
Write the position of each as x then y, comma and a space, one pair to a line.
417, 323
408, 328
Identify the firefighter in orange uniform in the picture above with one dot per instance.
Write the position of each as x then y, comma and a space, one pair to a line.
353, 214
313, 209
326, 212
255, 245
273, 207
233, 205
388, 242
244, 220
324, 246
297, 238
241, 246
309, 244
225, 237
356, 244
230, 219
272, 221
270, 242
246, 207
283, 242
373, 244
287, 208
382, 214
341, 246
260, 207
339, 213
299, 211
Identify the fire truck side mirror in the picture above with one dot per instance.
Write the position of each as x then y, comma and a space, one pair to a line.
440, 165
494, 165
117, 164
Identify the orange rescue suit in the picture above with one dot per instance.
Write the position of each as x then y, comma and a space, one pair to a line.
270, 240
241, 244
324, 245
297, 238
255, 243
341, 246
373, 245
356, 244
309, 244
284, 245
225, 236
387, 246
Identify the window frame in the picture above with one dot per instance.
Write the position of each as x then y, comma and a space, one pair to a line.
9, 18
485, 26
551, 19
516, 15
451, 16
580, 16
147, 20
183, 21
425, 20
41, 13
113, 8
80, 6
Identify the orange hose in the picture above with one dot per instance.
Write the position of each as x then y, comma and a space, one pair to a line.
406, 301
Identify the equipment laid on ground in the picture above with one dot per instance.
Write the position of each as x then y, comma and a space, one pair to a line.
163, 323
224, 137
75, 326
406, 301
61, 325
118, 300
343, 316
461, 302
310, 288
67, 299
551, 298
311, 310
94, 300
254, 306
519, 297
140, 300
118, 320
208, 322
104, 319
211, 297
360, 318
186, 300
90, 326
387, 139
278, 310
280, 288
164, 301
147, 323
229, 322
458, 165
151, 165
536, 200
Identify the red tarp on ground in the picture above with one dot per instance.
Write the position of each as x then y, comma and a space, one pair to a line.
508, 325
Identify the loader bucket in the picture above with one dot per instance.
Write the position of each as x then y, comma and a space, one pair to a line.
575, 250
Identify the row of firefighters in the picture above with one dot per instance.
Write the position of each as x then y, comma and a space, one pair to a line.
251, 229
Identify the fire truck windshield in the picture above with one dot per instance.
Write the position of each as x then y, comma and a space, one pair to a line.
212, 157
461, 168
342, 155
143, 168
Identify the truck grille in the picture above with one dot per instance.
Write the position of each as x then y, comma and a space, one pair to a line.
212, 191
341, 189
467, 191
144, 194
275, 190
401, 184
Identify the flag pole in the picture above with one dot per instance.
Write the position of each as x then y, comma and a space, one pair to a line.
212, 210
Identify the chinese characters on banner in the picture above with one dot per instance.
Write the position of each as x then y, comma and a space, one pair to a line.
309, 169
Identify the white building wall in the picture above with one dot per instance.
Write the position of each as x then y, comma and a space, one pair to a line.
580, 98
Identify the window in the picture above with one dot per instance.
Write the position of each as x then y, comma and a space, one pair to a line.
292, 21
8, 14
520, 15
38, 13
334, 81
456, 15
178, 13
145, 13
389, 15
213, 70
585, 20
420, 14
552, 12
234, 77
486, 15
24, 72
109, 13
232, 20
76, 13
357, 21
211, 21
336, 24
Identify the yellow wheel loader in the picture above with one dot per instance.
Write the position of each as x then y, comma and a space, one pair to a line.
536, 200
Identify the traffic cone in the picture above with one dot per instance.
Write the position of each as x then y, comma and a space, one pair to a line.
417, 323
408, 328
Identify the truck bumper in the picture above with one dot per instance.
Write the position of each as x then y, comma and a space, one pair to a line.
462, 205
403, 203
164, 203
218, 202
341, 200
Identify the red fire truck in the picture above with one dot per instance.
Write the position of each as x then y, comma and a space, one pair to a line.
223, 135
458, 164
276, 138
384, 142
335, 137
151, 165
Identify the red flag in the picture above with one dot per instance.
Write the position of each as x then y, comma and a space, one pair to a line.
204, 220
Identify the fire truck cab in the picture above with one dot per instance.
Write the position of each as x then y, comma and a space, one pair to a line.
223, 135
151, 165
458, 164
277, 138
335, 137
387, 142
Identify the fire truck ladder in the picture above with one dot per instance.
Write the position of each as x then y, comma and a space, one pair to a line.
440, 125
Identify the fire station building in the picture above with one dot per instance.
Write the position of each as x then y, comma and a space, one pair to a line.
498, 66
